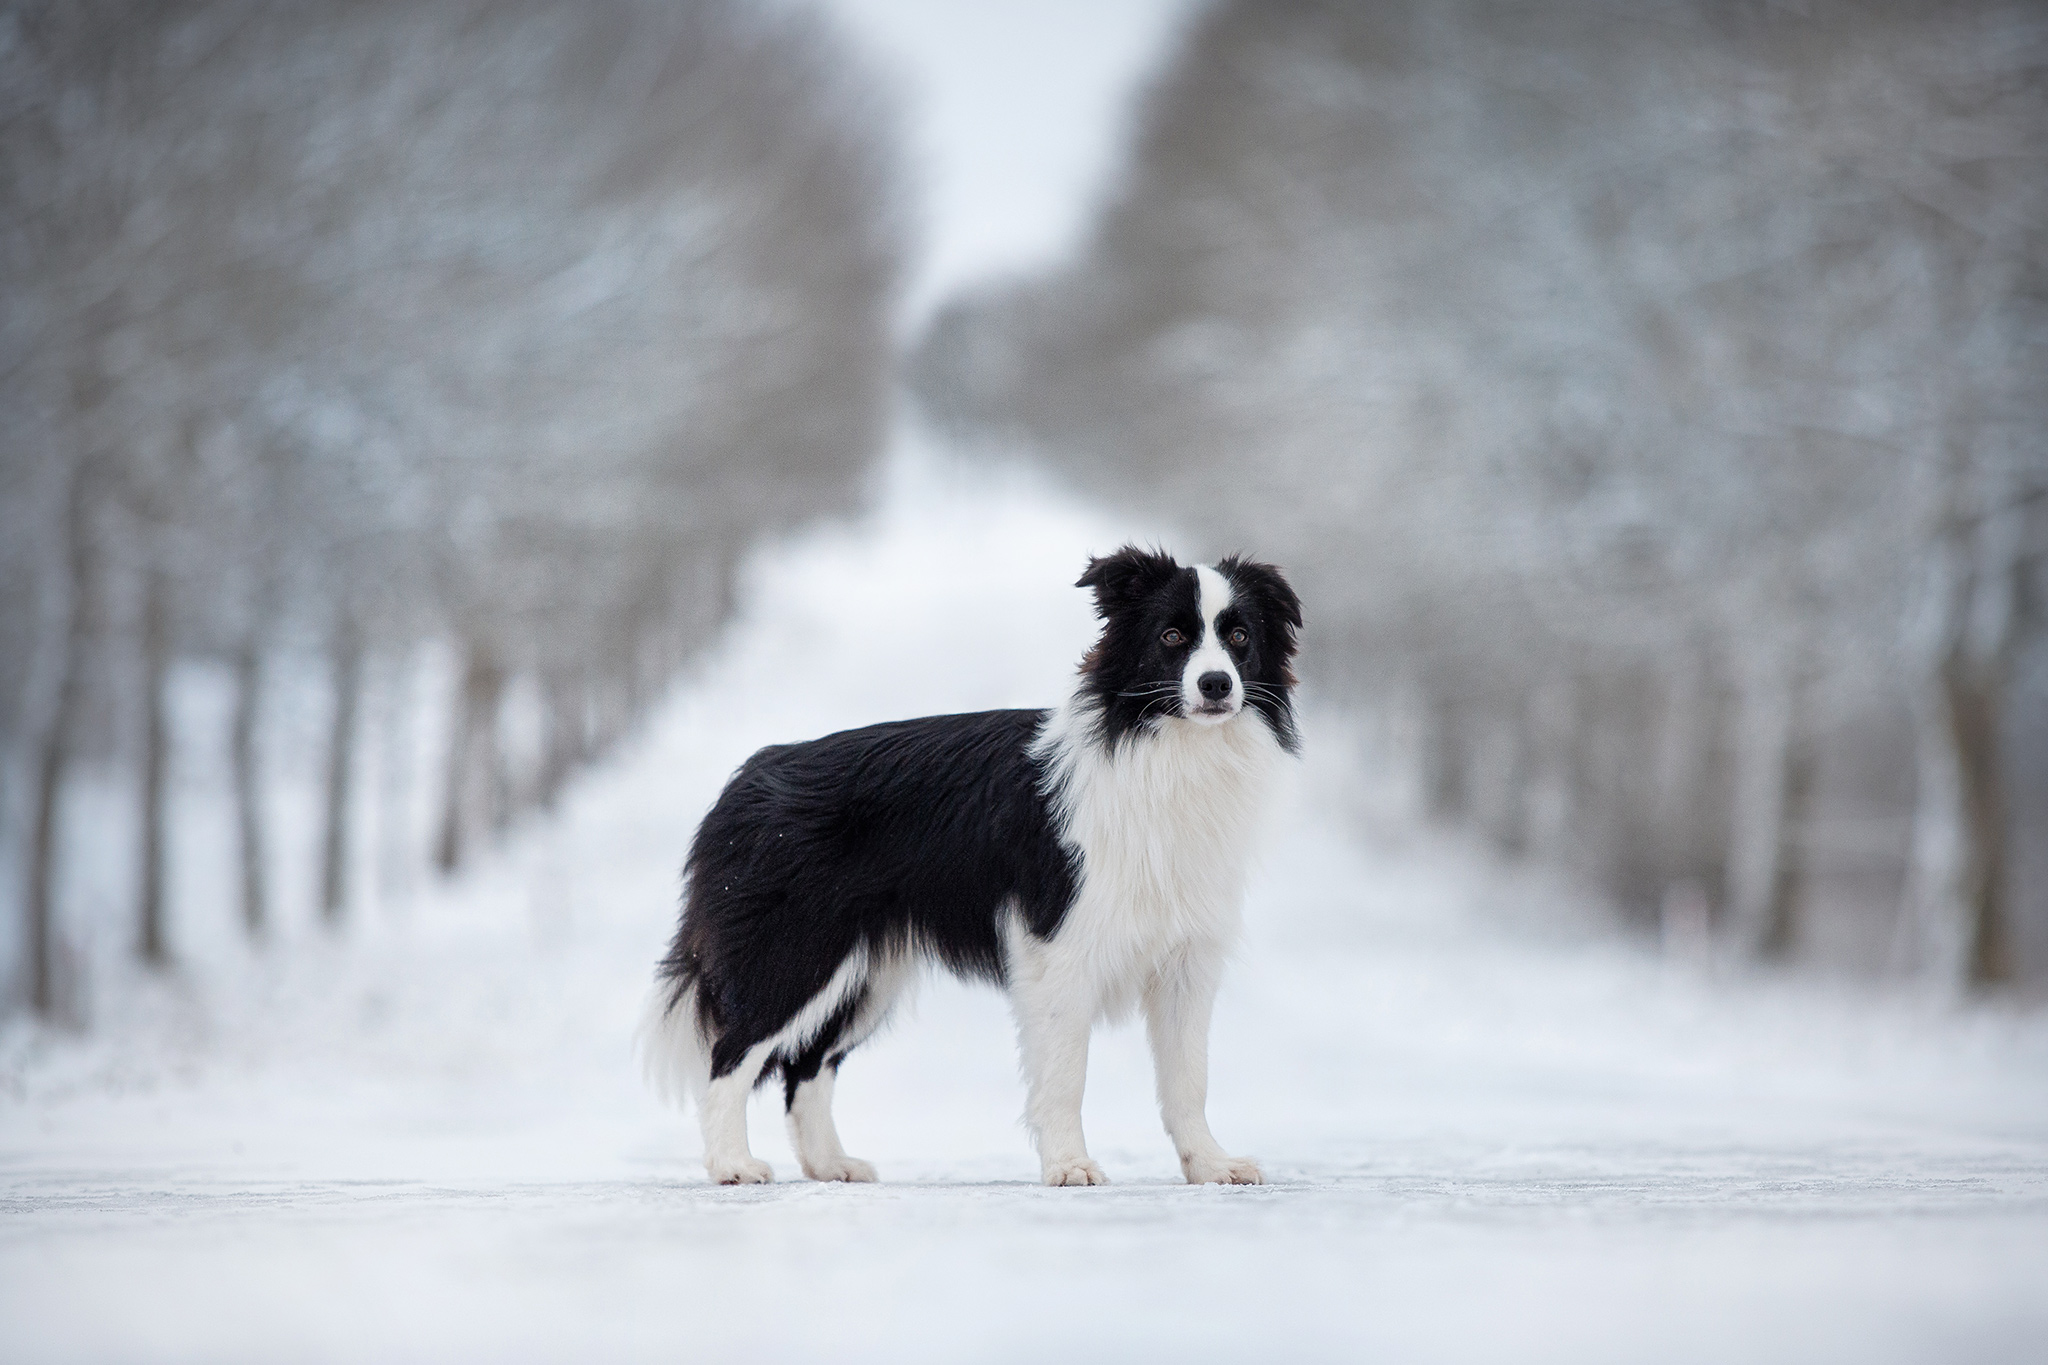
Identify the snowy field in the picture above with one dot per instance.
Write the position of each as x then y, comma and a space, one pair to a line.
1495, 1129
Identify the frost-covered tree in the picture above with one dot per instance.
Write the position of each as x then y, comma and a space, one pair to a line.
336, 331
1647, 397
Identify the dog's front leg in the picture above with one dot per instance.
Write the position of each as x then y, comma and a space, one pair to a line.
1177, 1008
1053, 1019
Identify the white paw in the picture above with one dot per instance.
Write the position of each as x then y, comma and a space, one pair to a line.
1222, 1170
1077, 1170
842, 1168
744, 1170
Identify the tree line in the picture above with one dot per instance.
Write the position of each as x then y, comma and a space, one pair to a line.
340, 334
1650, 401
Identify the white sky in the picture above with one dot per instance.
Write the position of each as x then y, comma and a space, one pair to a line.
1018, 114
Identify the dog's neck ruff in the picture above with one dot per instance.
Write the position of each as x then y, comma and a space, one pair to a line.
1164, 820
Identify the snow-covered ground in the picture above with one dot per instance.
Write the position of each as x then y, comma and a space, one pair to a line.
1495, 1129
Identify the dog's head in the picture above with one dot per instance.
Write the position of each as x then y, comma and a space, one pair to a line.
1190, 645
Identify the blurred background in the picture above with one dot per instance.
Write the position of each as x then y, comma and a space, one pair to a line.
439, 441
1649, 401
398, 383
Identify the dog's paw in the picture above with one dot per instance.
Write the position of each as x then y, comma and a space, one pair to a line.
1078, 1170
1222, 1170
847, 1168
745, 1170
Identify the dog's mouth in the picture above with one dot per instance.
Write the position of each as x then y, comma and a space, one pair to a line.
1214, 710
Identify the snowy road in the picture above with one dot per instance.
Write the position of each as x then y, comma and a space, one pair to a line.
1619, 1253
1492, 1134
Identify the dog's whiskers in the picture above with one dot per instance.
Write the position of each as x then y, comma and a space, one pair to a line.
1145, 711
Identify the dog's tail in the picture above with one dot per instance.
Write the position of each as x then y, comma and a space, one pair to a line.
674, 1055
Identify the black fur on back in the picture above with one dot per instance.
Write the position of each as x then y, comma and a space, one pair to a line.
1133, 676
905, 837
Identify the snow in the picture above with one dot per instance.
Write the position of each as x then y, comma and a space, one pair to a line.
1495, 1127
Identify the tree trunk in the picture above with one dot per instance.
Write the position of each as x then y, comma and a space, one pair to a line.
39, 904
1773, 792
341, 750
154, 943
472, 753
1975, 711
394, 770
1788, 888
1510, 824
1630, 839
564, 745
1957, 891
452, 845
249, 789
501, 790
1587, 819
1691, 797
1444, 793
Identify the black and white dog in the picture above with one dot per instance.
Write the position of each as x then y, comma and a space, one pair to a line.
1088, 860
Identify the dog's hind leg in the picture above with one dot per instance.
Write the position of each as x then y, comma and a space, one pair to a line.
797, 1047
810, 1078
812, 1133
722, 1114
807, 1081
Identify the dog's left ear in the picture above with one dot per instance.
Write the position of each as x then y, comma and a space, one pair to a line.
1125, 576
1267, 586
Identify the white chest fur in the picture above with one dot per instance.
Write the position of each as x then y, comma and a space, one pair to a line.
1164, 826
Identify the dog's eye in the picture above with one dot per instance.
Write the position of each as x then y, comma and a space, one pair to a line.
1173, 638
1240, 637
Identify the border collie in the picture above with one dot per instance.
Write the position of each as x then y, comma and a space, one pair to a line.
1088, 860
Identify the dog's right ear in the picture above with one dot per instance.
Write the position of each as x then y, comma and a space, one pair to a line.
1125, 576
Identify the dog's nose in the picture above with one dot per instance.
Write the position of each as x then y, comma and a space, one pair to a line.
1214, 685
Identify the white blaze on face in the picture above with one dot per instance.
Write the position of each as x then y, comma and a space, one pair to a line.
1210, 656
